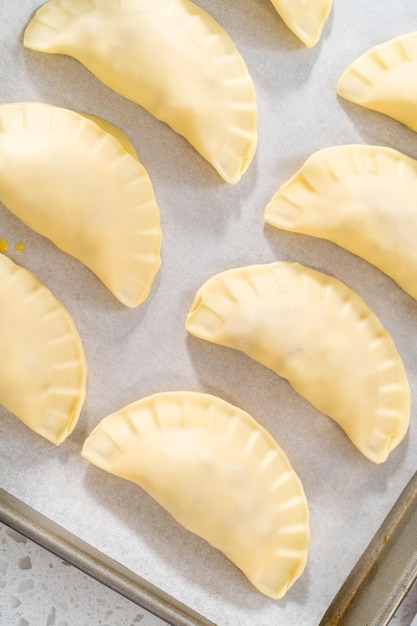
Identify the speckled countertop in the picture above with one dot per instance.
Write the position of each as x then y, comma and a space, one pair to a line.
39, 589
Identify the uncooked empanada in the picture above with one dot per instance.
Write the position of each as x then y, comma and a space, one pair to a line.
219, 473
43, 369
305, 18
170, 57
73, 182
384, 79
317, 333
361, 197
118, 134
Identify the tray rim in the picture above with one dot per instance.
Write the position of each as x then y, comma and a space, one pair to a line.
384, 573
373, 590
35, 526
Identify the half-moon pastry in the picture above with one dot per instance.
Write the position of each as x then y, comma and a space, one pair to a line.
73, 182
384, 79
363, 198
43, 369
169, 56
305, 18
316, 332
219, 473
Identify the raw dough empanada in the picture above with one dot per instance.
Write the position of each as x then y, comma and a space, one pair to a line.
316, 332
384, 79
170, 57
219, 473
305, 18
43, 369
73, 182
361, 197
115, 131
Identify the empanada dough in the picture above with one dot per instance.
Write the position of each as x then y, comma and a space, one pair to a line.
116, 132
384, 79
170, 57
73, 182
317, 333
361, 197
219, 473
305, 18
43, 369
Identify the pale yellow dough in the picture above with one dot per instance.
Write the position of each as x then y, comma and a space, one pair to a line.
384, 79
43, 369
317, 333
219, 473
361, 197
306, 18
170, 57
116, 132
71, 180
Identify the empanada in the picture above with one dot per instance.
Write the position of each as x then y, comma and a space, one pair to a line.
43, 369
170, 57
118, 134
305, 18
317, 333
219, 473
361, 197
73, 182
384, 79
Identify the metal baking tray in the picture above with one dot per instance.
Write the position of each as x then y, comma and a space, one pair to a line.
385, 572
370, 595
44, 532
108, 527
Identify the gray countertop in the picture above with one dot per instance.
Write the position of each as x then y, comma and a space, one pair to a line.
39, 589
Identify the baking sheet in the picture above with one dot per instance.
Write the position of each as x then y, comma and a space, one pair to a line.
208, 227
385, 572
40, 529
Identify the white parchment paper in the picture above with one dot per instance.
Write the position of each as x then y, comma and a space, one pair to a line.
209, 226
